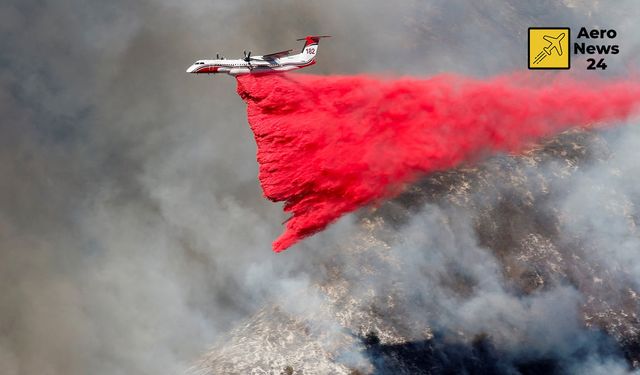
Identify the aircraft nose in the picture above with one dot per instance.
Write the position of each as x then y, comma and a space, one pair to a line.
191, 69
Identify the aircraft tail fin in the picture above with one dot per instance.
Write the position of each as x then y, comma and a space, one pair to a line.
310, 47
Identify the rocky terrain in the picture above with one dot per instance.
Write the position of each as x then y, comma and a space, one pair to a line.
405, 296
135, 237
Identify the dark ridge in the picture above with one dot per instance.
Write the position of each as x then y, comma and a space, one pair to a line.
478, 357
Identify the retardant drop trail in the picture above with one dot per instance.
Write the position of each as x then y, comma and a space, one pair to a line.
328, 145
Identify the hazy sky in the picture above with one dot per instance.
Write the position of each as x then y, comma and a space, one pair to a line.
133, 231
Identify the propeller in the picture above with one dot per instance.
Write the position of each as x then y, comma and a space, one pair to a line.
247, 58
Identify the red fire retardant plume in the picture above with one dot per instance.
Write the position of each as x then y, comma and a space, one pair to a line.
328, 145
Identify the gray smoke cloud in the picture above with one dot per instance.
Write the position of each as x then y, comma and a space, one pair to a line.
133, 231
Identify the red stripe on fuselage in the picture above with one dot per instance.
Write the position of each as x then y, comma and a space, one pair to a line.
308, 64
207, 69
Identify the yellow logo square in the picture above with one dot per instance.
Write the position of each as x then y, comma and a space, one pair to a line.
549, 48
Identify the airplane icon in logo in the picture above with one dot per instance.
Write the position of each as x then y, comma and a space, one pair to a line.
554, 43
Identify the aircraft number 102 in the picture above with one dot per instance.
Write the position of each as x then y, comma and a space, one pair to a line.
311, 51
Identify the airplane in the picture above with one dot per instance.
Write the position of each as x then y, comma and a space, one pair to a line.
276, 62
554, 43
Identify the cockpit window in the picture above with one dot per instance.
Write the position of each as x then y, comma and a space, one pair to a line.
199, 62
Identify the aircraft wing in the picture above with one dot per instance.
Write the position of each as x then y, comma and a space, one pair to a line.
276, 55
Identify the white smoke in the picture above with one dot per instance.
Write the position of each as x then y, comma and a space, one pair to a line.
133, 232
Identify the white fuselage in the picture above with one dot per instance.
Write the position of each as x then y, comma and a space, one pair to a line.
257, 64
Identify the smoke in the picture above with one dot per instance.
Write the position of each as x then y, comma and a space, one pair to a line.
133, 233
463, 295
330, 145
